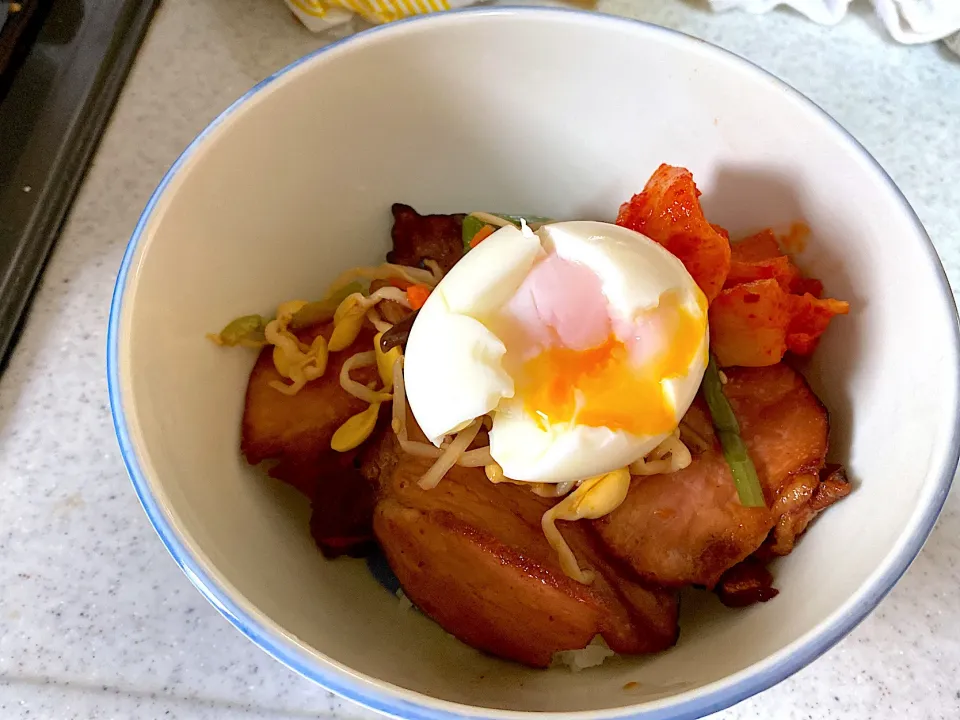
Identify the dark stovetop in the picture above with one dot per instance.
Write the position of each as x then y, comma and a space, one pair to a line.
62, 64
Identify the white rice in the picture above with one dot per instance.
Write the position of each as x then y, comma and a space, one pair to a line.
405, 604
591, 656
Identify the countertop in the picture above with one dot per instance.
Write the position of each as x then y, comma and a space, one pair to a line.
97, 620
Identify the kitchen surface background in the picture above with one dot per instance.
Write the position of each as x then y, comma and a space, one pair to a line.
97, 620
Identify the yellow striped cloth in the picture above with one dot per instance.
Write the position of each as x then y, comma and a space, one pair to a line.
323, 14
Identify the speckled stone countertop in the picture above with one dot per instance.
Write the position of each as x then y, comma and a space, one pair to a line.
97, 620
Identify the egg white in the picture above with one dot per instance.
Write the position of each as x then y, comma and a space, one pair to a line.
453, 367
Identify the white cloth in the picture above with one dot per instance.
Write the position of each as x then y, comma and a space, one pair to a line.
953, 42
907, 21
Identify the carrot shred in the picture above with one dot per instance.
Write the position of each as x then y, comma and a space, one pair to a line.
482, 234
417, 295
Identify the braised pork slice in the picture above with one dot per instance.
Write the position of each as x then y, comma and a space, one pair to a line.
746, 583
341, 521
688, 527
806, 497
295, 431
419, 237
472, 555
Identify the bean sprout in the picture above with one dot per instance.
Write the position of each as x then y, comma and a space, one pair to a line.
434, 268
593, 498
378, 322
491, 219
479, 457
691, 437
474, 458
385, 271
355, 388
669, 456
450, 456
388, 293
549, 490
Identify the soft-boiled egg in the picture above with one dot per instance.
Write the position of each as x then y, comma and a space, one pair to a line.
585, 342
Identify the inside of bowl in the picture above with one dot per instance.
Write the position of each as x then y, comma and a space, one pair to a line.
563, 116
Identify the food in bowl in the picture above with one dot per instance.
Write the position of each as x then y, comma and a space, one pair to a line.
584, 418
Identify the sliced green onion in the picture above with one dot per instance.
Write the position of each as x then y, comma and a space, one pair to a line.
472, 224
531, 219
728, 431
319, 311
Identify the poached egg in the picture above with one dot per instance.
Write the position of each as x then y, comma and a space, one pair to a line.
585, 342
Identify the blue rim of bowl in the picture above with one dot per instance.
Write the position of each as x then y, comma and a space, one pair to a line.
713, 697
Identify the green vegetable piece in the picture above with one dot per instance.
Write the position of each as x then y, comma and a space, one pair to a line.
728, 432
471, 226
244, 330
515, 219
320, 311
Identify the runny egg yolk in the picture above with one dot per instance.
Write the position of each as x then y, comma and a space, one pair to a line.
576, 359
615, 384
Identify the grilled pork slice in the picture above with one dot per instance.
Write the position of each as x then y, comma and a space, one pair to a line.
419, 237
746, 583
341, 521
296, 430
801, 500
689, 527
472, 556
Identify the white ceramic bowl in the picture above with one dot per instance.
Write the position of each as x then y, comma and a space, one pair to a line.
560, 114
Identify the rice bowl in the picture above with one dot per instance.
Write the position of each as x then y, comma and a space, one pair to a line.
242, 541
